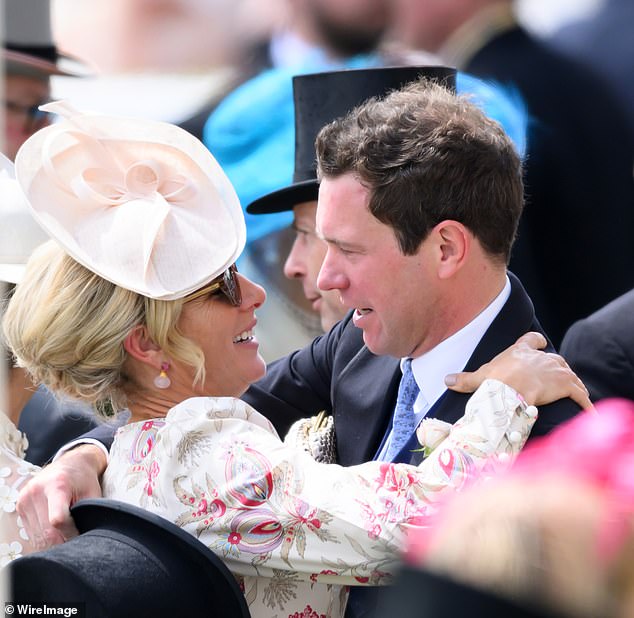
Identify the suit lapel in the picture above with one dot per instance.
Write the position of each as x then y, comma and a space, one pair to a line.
364, 405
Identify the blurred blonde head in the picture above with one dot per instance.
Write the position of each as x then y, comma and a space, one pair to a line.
557, 529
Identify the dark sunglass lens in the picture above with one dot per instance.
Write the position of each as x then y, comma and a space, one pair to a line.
232, 286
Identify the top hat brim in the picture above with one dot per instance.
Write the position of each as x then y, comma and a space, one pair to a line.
286, 198
34, 66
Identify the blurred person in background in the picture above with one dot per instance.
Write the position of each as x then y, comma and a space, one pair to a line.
603, 40
574, 251
601, 349
20, 235
31, 58
318, 33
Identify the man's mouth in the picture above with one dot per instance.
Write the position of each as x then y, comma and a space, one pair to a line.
246, 335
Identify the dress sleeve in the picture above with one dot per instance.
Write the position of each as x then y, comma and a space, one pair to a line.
265, 506
15, 472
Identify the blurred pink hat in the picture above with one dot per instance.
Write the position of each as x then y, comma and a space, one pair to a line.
19, 232
141, 203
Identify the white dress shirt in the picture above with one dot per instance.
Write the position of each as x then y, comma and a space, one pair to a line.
449, 356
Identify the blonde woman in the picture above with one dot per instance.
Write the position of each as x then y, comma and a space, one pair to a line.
137, 305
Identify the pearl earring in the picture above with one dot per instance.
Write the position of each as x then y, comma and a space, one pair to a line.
162, 380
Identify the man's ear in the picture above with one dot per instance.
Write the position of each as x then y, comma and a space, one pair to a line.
454, 244
139, 346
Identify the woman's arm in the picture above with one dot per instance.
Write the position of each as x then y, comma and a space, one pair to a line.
264, 506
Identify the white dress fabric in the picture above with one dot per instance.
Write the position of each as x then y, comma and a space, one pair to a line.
297, 533
14, 473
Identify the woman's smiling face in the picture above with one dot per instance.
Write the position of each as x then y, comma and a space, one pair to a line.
225, 334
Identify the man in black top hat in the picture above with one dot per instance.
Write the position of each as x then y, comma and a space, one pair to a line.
30, 58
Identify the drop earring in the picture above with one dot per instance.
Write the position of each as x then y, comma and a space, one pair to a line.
162, 380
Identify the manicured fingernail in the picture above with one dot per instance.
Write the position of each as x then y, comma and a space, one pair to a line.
451, 379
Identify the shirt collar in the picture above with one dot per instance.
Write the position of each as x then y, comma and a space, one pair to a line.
452, 354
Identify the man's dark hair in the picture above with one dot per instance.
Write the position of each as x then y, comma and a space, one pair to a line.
427, 155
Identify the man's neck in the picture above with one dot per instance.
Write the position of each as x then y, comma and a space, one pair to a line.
452, 354
465, 301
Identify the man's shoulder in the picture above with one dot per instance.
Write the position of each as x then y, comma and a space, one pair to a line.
600, 349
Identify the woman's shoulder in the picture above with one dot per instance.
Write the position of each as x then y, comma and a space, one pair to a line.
203, 409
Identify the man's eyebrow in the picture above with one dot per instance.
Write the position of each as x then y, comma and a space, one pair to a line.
302, 227
341, 244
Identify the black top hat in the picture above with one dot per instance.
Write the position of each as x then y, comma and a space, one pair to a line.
128, 562
28, 46
319, 99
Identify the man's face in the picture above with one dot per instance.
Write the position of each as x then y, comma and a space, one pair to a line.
395, 296
350, 27
304, 261
426, 24
22, 95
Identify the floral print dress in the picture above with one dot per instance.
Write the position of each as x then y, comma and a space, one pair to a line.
297, 533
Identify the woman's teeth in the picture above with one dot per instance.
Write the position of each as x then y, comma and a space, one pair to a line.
246, 335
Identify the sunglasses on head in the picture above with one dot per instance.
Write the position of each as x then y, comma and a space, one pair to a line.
227, 283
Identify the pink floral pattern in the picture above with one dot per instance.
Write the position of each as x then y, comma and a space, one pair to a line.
308, 612
298, 533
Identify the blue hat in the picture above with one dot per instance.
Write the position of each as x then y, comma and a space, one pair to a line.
252, 135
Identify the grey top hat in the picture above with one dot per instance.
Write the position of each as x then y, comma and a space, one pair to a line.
128, 562
28, 46
320, 98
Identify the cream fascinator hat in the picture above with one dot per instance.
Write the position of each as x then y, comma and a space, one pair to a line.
141, 203
19, 233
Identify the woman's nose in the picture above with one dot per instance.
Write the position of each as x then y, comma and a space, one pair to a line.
253, 295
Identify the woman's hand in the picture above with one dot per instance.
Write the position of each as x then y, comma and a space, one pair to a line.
540, 377
44, 503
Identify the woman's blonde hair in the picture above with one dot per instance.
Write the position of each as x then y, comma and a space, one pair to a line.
66, 326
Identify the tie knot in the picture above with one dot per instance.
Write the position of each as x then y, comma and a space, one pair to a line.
408, 388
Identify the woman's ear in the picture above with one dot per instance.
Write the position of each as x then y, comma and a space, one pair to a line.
139, 346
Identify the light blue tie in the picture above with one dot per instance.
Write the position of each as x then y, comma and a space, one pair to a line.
403, 423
